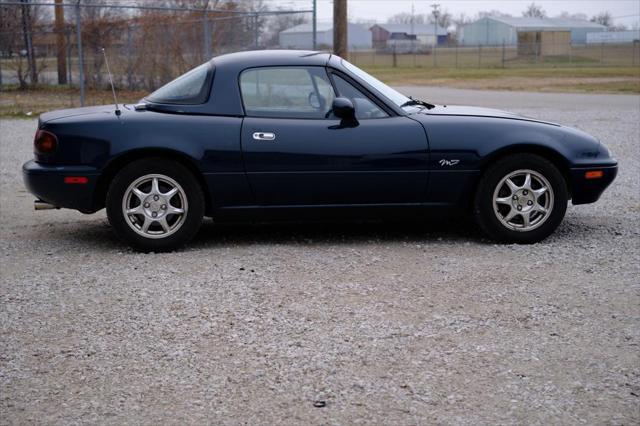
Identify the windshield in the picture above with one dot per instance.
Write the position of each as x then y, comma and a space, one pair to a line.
190, 88
393, 95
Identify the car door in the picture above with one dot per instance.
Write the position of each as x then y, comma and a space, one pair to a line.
297, 153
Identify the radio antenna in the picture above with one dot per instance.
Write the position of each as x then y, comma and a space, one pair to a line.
113, 89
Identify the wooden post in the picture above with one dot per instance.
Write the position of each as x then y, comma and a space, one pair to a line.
60, 43
456, 55
340, 28
395, 58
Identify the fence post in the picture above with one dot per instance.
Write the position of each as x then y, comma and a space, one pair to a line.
601, 53
456, 55
570, 54
395, 63
503, 54
206, 37
435, 45
80, 57
129, 60
479, 55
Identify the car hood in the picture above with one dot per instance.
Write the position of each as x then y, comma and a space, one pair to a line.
470, 111
75, 112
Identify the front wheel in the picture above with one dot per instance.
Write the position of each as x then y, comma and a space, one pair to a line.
155, 205
521, 199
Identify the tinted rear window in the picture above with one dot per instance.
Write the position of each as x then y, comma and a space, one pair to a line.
189, 89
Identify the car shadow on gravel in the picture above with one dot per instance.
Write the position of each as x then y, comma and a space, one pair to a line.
100, 235
333, 232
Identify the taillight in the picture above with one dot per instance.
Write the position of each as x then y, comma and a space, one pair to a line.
45, 142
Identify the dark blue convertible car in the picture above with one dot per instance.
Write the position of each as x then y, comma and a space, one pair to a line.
267, 134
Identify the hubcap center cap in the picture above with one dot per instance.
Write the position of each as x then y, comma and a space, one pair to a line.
523, 200
155, 206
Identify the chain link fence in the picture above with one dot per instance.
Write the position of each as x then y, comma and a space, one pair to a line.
150, 43
504, 56
146, 45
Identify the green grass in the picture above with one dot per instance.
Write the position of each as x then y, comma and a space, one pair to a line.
560, 79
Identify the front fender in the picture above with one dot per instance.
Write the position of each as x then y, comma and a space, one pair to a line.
462, 146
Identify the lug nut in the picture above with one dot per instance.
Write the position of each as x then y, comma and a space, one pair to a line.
515, 197
154, 214
146, 205
156, 198
519, 208
529, 203
525, 192
163, 207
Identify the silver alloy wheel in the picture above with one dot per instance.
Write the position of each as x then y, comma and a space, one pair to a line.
523, 200
155, 206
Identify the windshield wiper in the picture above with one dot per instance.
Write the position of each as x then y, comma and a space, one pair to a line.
414, 101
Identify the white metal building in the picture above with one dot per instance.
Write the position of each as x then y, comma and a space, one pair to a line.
494, 31
614, 37
301, 36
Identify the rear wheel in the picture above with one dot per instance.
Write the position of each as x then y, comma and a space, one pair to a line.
155, 205
522, 199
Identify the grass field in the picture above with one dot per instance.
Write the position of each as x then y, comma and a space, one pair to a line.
28, 103
32, 102
560, 79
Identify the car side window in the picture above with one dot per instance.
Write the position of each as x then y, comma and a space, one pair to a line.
286, 92
365, 108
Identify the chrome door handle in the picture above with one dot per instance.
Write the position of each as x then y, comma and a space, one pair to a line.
264, 136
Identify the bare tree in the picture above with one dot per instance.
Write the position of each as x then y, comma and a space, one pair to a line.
534, 11
27, 34
603, 18
101, 28
445, 19
407, 18
20, 26
578, 16
279, 23
493, 12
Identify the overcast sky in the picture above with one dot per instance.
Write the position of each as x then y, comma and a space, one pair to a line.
380, 10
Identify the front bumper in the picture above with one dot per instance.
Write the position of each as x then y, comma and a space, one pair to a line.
47, 182
585, 191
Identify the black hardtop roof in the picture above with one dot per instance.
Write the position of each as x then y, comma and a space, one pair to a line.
261, 58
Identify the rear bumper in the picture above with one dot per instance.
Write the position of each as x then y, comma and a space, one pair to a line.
585, 191
47, 182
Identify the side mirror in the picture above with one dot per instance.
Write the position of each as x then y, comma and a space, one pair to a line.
343, 108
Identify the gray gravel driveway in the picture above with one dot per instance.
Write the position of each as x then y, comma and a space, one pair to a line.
328, 323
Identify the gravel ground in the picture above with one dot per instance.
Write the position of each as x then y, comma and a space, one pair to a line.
330, 323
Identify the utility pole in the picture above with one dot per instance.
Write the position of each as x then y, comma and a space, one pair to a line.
436, 13
340, 28
315, 24
60, 42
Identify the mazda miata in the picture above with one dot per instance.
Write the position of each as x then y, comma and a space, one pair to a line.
297, 134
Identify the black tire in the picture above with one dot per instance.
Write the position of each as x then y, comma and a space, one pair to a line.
487, 219
189, 224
